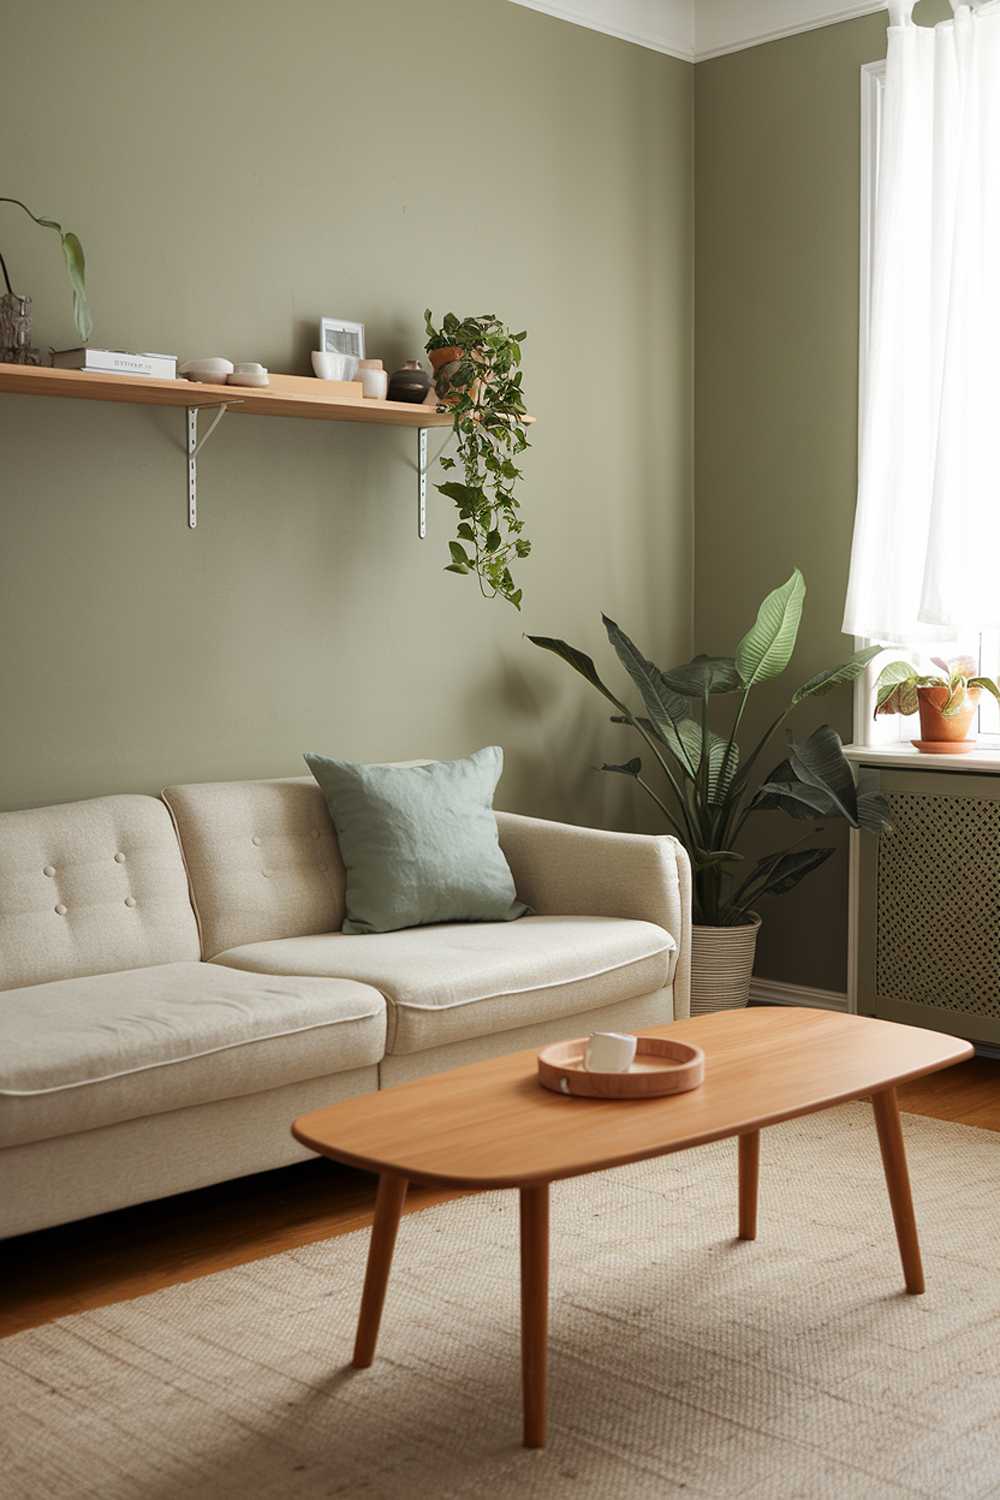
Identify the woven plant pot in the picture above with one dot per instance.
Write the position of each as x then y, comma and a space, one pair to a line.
722, 966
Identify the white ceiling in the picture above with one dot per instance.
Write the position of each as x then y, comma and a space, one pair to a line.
698, 29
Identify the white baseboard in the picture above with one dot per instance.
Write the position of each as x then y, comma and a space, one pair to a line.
777, 992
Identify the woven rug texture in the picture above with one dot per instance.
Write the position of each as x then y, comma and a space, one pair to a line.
683, 1362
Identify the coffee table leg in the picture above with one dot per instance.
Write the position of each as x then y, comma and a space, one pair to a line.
388, 1207
534, 1310
890, 1139
749, 1178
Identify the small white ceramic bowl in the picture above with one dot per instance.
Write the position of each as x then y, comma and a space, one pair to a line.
214, 371
249, 374
334, 366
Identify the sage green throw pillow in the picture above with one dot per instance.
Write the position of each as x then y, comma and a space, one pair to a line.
419, 842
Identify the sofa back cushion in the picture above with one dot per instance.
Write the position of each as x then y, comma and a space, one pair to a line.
91, 888
262, 858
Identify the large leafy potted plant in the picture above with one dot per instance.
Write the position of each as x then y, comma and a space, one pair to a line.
477, 376
947, 700
711, 787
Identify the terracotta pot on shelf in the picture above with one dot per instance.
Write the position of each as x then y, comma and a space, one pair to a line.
945, 736
444, 363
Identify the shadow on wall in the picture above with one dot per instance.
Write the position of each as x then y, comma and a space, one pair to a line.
562, 739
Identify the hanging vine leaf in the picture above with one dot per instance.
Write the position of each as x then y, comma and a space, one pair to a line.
480, 383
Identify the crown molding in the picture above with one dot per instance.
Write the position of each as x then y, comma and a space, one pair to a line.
696, 30
661, 25
723, 26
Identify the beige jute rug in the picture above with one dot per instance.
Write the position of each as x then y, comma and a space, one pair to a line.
683, 1362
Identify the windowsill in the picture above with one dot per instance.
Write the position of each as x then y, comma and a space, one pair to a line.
982, 760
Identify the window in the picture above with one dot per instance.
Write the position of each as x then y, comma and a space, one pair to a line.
984, 648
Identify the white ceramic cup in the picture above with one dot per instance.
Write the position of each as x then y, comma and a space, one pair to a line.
334, 366
609, 1052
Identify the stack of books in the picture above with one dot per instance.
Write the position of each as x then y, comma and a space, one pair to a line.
116, 362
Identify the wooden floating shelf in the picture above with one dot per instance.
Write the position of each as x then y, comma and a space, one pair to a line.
287, 396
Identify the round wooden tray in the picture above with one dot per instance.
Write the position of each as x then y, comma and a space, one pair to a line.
660, 1067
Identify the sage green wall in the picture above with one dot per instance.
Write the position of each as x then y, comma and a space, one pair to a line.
777, 132
235, 170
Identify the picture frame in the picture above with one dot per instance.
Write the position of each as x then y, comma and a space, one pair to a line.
342, 336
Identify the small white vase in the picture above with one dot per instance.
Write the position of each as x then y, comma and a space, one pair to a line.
722, 966
374, 379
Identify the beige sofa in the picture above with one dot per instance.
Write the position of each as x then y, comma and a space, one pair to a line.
175, 989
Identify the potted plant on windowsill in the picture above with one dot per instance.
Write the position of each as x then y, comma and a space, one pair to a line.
477, 377
711, 786
947, 701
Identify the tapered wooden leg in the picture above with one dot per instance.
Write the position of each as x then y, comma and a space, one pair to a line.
749, 1178
534, 1310
890, 1139
388, 1206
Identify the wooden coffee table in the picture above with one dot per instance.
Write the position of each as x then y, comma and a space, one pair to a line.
491, 1125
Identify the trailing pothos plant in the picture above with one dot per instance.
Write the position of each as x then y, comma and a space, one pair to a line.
711, 788
76, 268
898, 682
481, 386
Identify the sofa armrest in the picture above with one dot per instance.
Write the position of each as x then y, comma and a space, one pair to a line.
562, 870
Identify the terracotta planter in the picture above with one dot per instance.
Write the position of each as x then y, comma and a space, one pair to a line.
953, 732
722, 966
444, 363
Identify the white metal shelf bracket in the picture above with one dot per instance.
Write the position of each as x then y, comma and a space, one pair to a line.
194, 446
423, 467
422, 483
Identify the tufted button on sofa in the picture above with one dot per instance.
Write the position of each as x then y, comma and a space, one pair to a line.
175, 987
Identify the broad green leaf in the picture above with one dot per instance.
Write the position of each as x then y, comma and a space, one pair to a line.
664, 704
873, 813
907, 698
703, 675
683, 740
985, 684
777, 874
890, 679
721, 769
793, 796
580, 662
820, 762
848, 671
667, 710
766, 649
458, 554
955, 701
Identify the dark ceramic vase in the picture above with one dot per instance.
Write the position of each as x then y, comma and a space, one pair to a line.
411, 383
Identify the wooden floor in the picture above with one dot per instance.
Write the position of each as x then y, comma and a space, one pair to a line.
138, 1250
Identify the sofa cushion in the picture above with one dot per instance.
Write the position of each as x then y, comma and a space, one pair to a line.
419, 843
262, 857
452, 982
81, 1053
91, 887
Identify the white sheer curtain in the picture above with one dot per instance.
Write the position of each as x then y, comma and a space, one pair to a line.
926, 557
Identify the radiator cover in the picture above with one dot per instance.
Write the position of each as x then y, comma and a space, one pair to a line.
929, 904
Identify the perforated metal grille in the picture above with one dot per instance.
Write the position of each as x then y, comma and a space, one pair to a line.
938, 929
